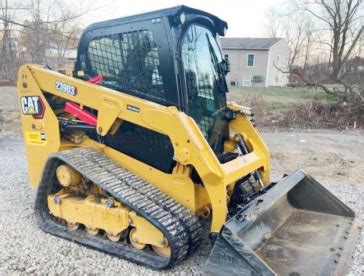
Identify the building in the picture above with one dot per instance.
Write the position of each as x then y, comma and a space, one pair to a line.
60, 58
256, 61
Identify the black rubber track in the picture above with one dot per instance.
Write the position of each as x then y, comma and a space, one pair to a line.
181, 228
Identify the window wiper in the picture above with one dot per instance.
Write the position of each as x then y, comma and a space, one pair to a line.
214, 58
217, 65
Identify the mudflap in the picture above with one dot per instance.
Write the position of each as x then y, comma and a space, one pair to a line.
296, 228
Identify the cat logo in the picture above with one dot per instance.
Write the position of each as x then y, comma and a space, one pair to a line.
32, 105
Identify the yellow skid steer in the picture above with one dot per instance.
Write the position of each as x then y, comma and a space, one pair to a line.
138, 144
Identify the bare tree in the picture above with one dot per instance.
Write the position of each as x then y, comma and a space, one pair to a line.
64, 34
51, 29
295, 28
273, 23
334, 43
36, 32
9, 55
39, 31
344, 21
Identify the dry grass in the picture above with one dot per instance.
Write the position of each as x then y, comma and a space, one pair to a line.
300, 107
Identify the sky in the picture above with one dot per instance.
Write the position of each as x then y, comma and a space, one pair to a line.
246, 18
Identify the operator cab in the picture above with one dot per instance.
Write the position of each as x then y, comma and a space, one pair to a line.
171, 57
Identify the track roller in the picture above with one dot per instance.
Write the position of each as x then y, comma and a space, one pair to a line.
73, 226
92, 231
134, 241
112, 237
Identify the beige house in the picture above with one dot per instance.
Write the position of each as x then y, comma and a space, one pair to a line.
255, 61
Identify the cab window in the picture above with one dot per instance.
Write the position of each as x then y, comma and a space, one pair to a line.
129, 62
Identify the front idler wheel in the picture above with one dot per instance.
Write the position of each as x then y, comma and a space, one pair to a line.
165, 251
134, 241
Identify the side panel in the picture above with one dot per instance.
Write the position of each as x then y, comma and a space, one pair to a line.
41, 136
148, 146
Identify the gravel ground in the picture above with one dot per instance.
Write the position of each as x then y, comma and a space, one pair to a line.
334, 158
9, 111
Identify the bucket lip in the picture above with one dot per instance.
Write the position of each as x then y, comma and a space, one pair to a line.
335, 266
263, 202
345, 260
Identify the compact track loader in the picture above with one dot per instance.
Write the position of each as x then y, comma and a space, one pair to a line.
138, 145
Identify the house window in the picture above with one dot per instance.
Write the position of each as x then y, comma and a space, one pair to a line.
247, 80
250, 60
257, 79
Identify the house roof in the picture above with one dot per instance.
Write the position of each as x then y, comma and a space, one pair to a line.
248, 43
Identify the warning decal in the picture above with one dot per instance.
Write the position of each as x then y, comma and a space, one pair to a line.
35, 138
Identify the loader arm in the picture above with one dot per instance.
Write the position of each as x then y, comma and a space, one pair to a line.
189, 144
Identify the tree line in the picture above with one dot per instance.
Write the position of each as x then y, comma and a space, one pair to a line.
37, 31
325, 37
326, 41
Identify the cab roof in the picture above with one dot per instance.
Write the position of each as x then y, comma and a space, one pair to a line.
174, 11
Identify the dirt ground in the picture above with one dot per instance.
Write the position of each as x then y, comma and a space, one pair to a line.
326, 154
334, 158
